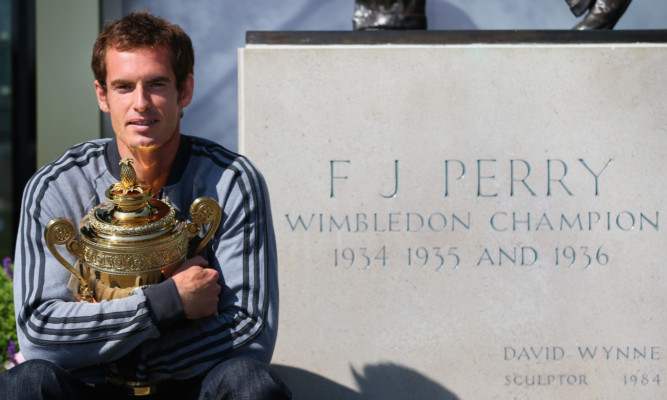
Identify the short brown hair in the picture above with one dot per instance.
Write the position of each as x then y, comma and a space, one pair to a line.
140, 29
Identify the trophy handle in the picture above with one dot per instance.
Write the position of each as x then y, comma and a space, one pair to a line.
61, 231
204, 210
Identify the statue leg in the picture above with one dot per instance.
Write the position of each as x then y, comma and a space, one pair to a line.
389, 14
604, 14
578, 7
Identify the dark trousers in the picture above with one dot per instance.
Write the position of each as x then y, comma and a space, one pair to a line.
232, 379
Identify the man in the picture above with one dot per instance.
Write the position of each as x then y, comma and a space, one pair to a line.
206, 332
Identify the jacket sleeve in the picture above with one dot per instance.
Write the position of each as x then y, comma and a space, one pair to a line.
244, 253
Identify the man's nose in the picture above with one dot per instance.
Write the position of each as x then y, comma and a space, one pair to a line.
142, 99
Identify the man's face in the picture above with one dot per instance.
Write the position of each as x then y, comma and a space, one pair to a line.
142, 98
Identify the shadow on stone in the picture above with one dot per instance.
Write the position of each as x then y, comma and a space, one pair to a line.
380, 381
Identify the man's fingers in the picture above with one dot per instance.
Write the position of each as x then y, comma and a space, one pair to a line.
198, 288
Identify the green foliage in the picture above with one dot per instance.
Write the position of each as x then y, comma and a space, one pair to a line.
8, 326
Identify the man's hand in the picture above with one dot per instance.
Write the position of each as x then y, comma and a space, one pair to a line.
198, 287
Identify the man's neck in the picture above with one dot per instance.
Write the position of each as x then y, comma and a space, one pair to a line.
153, 164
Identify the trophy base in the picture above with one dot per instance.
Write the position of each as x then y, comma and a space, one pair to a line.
107, 286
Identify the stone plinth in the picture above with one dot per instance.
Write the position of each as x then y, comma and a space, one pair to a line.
465, 221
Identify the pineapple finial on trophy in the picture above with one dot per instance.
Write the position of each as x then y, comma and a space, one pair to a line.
127, 174
128, 179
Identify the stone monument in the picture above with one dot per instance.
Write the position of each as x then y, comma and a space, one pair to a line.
465, 220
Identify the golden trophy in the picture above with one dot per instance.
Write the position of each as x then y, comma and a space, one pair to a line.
132, 240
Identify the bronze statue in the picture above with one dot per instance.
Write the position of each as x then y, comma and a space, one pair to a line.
603, 14
389, 14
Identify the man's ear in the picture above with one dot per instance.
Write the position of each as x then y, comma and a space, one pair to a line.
186, 91
101, 97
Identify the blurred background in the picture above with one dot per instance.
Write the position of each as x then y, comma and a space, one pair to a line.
47, 102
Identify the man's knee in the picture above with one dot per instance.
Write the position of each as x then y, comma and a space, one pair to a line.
35, 373
244, 378
37, 379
